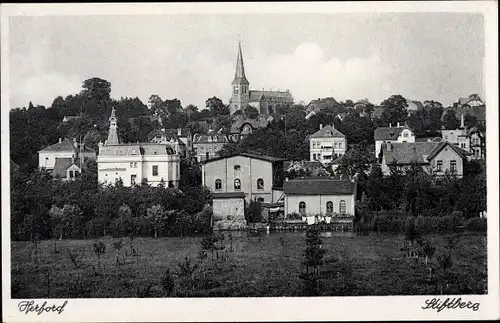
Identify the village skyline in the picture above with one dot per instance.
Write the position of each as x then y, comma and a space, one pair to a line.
347, 56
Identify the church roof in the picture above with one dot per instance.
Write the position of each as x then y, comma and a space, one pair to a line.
239, 75
256, 95
327, 132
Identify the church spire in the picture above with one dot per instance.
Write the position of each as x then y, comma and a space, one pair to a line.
113, 131
239, 75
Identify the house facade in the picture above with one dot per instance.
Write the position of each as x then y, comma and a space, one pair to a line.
65, 148
320, 196
436, 158
391, 134
206, 147
67, 169
240, 178
132, 163
327, 144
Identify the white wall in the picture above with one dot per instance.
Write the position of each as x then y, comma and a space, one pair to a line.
232, 207
316, 204
338, 146
50, 162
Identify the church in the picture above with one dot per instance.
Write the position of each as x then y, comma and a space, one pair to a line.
265, 102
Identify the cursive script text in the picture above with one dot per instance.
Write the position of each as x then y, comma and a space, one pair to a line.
30, 306
439, 305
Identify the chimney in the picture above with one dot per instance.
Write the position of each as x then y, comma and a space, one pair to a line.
462, 123
320, 126
286, 179
398, 124
60, 140
179, 131
390, 125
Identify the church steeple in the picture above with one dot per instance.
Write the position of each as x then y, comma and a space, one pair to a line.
239, 75
113, 130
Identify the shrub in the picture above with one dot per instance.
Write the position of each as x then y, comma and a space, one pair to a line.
476, 224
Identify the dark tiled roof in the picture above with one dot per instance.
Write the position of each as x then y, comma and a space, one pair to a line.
256, 95
203, 139
62, 164
170, 133
327, 132
228, 195
237, 126
418, 152
387, 133
132, 149
64, 145
319, 186
270, 159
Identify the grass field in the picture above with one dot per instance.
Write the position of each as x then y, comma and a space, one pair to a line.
266, 265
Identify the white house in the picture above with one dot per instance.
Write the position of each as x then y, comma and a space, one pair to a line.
327, 144
132, 163
393, 135
322, 196
65, 148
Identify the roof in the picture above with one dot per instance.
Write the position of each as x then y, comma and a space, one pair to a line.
327, 132
63, 145
418, 152
62, 164
267, 158
303, 163
256, 95
237, 126
227, 195
204, 139
132, 149
170, 133
322, 103
319, 186
388, 133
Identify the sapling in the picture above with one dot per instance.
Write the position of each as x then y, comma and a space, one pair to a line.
99, 250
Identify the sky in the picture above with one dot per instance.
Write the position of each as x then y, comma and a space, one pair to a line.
422, 56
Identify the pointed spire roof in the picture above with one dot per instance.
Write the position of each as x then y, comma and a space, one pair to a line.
113, 133
239, 75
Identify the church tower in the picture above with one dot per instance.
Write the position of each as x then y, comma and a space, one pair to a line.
241, 93
113, 130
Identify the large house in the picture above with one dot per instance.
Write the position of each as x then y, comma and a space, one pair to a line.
65, 158
436, 158
132, 163
180, 138
327, 144
322, 196
266, 102
471, 140
239, 178
244, 126
207, 146
391, 134
472, 100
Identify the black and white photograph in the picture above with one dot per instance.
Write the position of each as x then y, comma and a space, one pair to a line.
172, 154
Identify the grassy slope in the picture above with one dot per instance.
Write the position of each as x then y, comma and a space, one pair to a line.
259, 266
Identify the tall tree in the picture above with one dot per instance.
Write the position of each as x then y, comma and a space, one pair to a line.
450, 121
394, 110
216, 106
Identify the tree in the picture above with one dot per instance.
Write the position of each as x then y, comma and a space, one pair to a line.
215, 105
314, 252
450, 121
96, 88
157, 217
394, 110
251, 112
355, 161
253, 212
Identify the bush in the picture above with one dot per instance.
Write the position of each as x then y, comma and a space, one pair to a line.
388, 223
476, 224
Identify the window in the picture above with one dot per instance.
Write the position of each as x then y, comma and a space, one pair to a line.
237, 184
340, 145
302, 207
260, 199
342, 206
155, 170
132, 179
71, 174
453, 166
328, 157
314, 156
329, 207
235, 90
207, 155
237, 167
439, 166
170, 184
462, 145
260, 184
218, 184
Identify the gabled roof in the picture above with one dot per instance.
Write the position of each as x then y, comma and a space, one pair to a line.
319, 186
327, 132
62, 164
170, 133
267, 158
237, 126
136, 149
388, 133
204, 139
418, 152
65, 145
259, 95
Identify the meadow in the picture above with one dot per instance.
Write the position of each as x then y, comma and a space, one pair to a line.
253, 265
